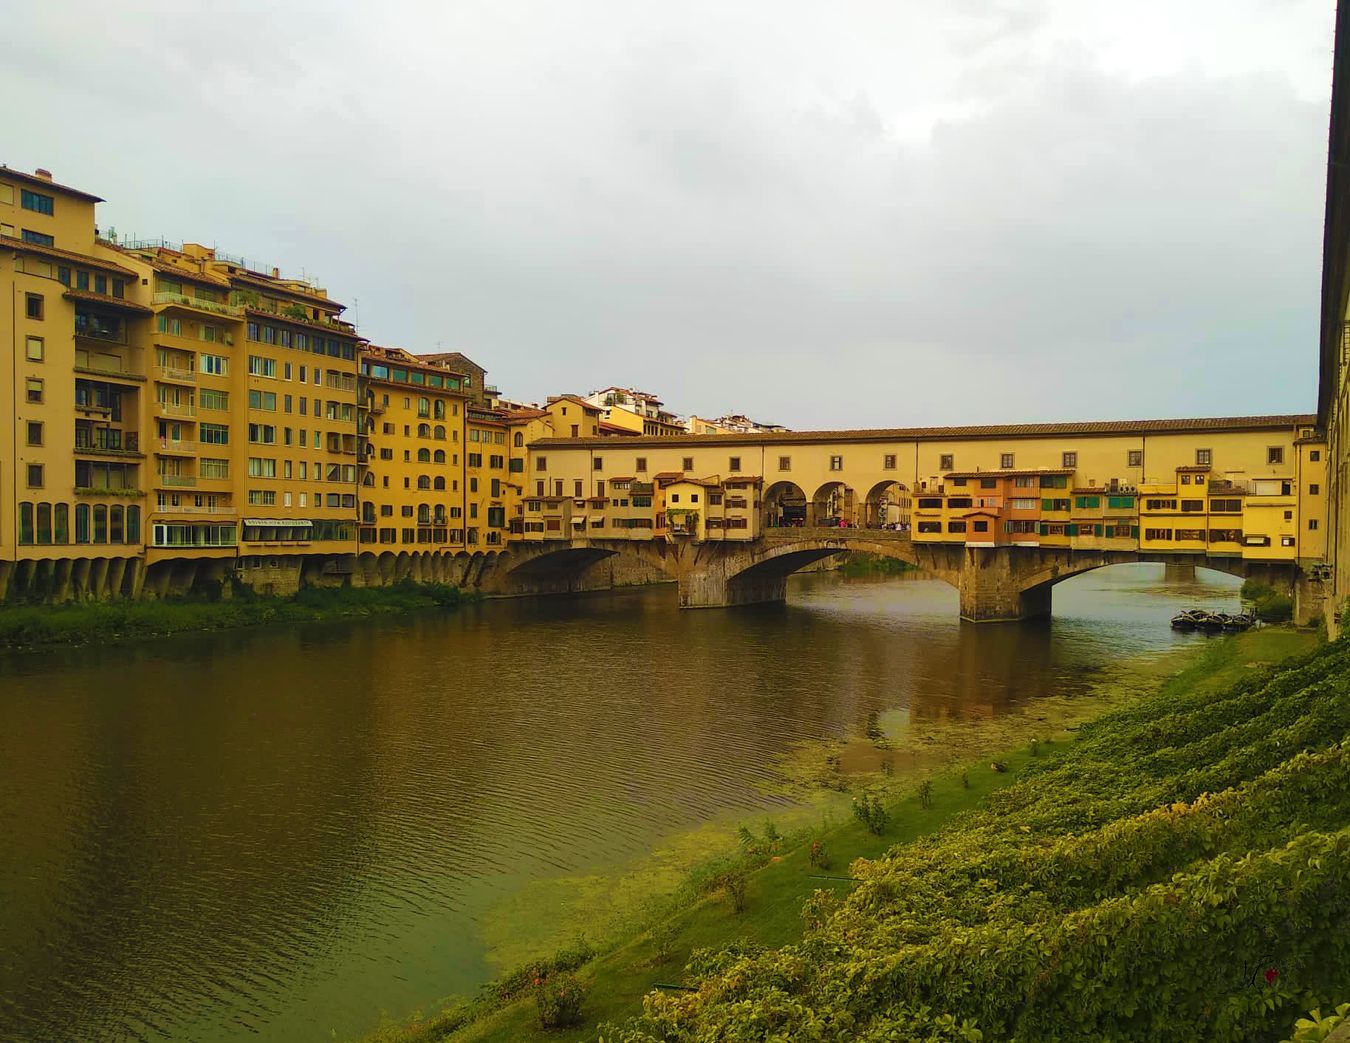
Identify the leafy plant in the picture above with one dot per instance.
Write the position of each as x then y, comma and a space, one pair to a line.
735, 884
868, 810
925, 794
558, 998
1315, 1028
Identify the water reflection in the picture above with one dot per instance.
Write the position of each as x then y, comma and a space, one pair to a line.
282, 833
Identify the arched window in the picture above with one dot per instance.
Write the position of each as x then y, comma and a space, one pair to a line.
440, 514
424, 407
439, 409
100, 523
25, 523
438, 433
423, 482
133, 524
423, 430
423, 514
81, 523
369, 479
439, 456
438, 482
44, 523
61, 523
115, 532
424, 456
519, 439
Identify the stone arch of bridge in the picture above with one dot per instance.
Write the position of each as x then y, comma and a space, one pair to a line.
784, 505
834, 499
777, 563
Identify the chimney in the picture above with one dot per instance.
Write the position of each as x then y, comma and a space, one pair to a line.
43, 173
276, 273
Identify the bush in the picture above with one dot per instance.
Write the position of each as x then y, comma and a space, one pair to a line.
735, 883
1315, 1028
871, 813
559, 999
1275, 608
663, 936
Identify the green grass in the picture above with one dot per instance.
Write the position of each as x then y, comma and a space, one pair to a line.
617, 980
35, 626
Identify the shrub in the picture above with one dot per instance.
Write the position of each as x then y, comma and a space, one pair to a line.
1275, 608
871, 813
818, 856
925, 794
734, 883
662, 937
1315, 1028
559, 999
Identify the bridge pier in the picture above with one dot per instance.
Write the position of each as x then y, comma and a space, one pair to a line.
991, 587
713, 589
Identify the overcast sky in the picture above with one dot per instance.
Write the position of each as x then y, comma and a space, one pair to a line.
820, 214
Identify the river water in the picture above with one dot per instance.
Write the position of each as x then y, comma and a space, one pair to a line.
277, 835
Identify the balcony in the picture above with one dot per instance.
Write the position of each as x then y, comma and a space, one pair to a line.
106, 332
176, 447
182, 376
106, 441
179, 300
176, 481
188, 409
226, 511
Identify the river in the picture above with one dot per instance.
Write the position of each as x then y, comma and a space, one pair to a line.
279, 834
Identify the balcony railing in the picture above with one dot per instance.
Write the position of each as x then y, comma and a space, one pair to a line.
215, 307
108, 440
175, 408
177, 480
187, 376
94, 331
218, 511
176, 445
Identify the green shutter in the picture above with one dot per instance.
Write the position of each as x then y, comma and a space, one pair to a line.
1071, 529
1097, 530
1134, 532
1047, 505
1045, 529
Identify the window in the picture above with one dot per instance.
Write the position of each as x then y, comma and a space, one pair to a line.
785, 463
946, 461
1157, 534
36, 349
1134, 458
1312, 524
215, 365
259, 467
1204, 457
734, 464
1006, 461
1192, 506
1314, 455
214, 434
265, 434
34, 432
888, 462
687, 463
261, 367
214, 468
598, 464
541, 463
1275, 454
217, 400
640, 465
1070, 460
33, 305
266, 400
37, 202
35, 476
34, 385
38, 238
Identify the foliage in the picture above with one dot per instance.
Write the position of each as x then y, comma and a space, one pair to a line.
1182, 872
663, 935
736, 883
817, 856
868, 810
1269, 605
559, 998
1315, 1028
209, 609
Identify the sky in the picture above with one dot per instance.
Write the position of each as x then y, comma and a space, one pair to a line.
824, 215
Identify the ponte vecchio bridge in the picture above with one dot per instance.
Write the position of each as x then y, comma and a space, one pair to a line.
1003, 513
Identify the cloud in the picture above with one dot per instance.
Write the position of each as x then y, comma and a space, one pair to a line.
860, 214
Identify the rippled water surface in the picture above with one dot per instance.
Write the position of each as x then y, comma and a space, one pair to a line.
280, 834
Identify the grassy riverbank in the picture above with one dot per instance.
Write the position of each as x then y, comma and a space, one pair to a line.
777, 877
861, 563
36, 626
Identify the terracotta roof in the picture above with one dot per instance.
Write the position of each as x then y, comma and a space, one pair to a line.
450, 356
272, 316
578, 400
977, 431
616, 429
1192, 468
33, 179
526, 414
742, 479
279, 287
205, 278
1023, 472
87, 260
662, 476
630, 478
112, 302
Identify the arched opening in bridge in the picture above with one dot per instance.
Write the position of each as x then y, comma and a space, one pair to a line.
833, 504
887, 506
784, 505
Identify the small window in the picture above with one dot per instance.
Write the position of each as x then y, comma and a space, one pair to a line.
1314, 455
35, 476
1204, 457
640, 465
734, 465
1275, 454
1314, 489
1070, 460
36, 349
836, 463
888, 462
1134, 458
34, 389
34, 432
687, 463
785, 463
598, 464
541, 463
1006, 461
1312, 524
33, 305
946, 462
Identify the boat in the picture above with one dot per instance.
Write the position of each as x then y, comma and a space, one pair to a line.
1212, 622
1189, 619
